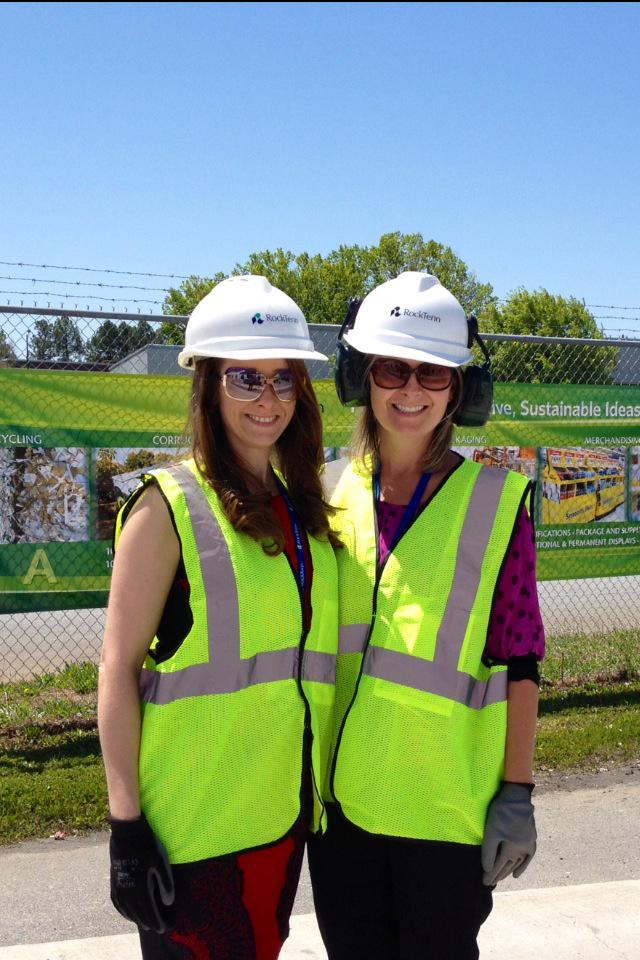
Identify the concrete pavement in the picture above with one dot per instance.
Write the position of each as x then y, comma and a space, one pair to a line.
579, 899
588, 922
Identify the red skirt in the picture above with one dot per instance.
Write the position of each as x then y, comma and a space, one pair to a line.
235, 907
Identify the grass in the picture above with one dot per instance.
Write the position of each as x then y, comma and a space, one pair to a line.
51, 773
601, 658
52, 779
589, 727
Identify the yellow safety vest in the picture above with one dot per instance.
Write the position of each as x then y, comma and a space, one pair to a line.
224, 717
420, 727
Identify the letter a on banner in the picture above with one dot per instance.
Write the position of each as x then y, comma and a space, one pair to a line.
40, 567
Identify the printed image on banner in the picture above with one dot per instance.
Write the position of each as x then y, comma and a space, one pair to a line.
117, 473
44, 495
583, 485
586, 507
45, 528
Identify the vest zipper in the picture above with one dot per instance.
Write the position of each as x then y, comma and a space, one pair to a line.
374, 607
307, 736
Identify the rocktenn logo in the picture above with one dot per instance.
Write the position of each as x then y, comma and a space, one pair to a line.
395, 312
272, 318
421, 315
279, 318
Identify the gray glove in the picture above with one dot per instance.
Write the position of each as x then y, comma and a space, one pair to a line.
510, 833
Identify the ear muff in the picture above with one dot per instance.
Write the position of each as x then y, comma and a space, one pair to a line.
477, 385
350, 364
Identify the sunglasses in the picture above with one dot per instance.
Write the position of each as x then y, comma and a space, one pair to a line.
247, 383
390, 374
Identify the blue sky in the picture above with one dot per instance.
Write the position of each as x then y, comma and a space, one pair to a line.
178, 138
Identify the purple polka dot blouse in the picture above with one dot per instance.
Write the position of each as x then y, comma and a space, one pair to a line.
515, 628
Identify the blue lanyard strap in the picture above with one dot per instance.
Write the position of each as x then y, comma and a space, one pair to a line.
298, 537
411, 508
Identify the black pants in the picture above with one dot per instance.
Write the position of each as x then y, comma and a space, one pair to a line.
381, 898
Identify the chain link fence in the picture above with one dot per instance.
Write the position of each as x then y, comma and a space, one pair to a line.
60, 487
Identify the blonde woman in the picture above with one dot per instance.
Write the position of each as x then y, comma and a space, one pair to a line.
440, 638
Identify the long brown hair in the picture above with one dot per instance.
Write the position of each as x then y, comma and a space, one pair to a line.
365, 444
299, 457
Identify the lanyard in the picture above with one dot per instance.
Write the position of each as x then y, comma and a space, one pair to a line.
410, 510
301, 572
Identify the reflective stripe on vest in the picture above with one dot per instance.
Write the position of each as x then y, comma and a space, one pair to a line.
353, 637
441, 675
225, 671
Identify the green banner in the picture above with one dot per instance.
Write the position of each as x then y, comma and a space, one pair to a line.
560, 413
72, 446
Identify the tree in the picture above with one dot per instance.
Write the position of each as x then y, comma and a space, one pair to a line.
138, 460
7, 353
106, 468
113, 341
540, 313
181, 301
141, 459
58, 340
323, 286
42, 342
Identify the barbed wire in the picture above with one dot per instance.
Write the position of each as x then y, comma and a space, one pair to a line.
87, 283
175, 276
69, 296
605, 306
604, 316
172, 276
591, 306
622, 330
127, 273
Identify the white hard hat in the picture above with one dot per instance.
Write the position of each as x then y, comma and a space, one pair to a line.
414, 318
246, 317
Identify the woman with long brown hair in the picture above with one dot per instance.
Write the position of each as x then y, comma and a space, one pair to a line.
218, 665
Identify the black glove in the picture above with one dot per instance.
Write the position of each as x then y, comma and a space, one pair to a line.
141, 879
510, 833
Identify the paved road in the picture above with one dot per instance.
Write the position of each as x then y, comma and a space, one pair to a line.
37, 642
588, 828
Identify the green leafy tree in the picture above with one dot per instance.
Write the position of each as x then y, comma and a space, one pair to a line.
141, 459
323, 285
57, 340
181, 301
42, 341
113, 341
100, 347
7, 353
138, 460
397, 252
106, 468
540, 313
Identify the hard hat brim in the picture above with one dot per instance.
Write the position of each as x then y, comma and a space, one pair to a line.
248, 351
446, 355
